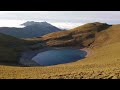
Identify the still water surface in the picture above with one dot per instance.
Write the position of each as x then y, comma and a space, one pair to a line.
59, 56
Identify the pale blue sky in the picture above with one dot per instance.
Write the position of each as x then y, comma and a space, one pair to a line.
63, 19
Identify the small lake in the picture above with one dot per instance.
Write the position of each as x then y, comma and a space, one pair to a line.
59, 56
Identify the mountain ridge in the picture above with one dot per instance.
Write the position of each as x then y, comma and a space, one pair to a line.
82, 36
32, 29
103, 62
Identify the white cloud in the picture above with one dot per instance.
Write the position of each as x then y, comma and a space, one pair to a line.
64, 19
66, 25
17, 23
11, 23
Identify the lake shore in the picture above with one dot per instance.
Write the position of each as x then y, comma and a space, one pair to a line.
26, 57
88, 50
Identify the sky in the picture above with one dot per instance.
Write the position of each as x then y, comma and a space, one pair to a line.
61, 19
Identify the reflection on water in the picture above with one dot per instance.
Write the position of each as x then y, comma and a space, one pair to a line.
59, 56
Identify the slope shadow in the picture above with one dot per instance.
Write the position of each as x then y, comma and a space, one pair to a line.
10, 64
72, 59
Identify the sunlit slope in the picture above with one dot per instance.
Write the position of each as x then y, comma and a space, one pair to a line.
103, 60
104, 63
82, 36
91, 35
108, 36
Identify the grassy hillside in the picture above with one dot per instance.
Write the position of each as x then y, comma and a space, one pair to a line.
82, 36
108, 36
11, 48
104, 63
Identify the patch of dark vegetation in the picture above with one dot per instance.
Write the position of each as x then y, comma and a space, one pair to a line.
11, 49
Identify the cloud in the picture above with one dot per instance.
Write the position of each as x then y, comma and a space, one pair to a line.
64, 25
59, 15
11, 23
61, 18
17, 23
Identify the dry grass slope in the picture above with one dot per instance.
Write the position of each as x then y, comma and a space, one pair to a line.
82, 36
103, 63
108, 36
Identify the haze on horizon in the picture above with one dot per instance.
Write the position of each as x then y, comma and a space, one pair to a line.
61, 19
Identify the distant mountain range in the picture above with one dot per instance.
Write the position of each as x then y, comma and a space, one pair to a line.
31, 29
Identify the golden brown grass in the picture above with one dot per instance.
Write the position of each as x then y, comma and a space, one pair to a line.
108, 36
104, 64
83, 35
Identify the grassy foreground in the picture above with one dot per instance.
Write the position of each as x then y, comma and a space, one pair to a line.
103, 63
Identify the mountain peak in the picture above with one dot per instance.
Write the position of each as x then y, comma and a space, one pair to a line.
29, 23
31, 29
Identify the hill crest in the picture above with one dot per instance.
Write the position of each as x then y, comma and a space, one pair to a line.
83, 36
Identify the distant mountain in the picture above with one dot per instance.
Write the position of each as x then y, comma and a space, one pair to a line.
31, 29
32, 23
